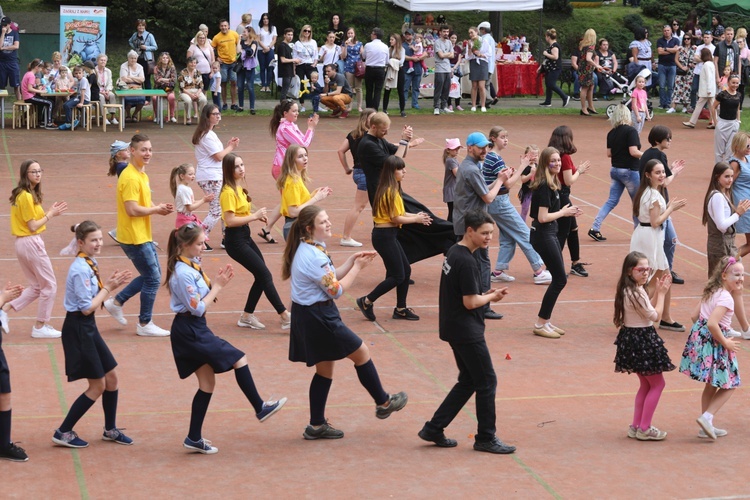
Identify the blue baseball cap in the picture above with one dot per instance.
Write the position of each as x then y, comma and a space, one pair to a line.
477, 139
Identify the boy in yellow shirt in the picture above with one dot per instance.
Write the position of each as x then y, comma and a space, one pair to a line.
227, 43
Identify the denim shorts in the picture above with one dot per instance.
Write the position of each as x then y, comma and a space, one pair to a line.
359, 179
227, 73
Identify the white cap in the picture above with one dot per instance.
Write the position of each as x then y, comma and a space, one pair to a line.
485, 25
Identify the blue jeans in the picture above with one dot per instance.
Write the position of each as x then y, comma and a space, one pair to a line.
666, 84
412, 81
146, 262
670, 241
622, 179
694, 90
266, 71
246, 79
512, 230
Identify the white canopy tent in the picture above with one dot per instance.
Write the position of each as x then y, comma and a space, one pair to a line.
463, 5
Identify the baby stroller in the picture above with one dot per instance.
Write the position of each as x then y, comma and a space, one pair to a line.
623, 86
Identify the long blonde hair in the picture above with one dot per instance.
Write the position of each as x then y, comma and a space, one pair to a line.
543, 174
289, 167
589, 39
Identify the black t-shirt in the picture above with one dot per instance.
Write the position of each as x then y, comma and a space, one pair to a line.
353, 147
286, 70
553, 64
655, 154
372, 153
460, 277
543, 196
728, 105
619, 140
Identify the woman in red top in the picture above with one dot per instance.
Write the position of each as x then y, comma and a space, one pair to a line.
567, 227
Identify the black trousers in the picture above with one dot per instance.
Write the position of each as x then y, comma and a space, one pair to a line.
397, 268
544, 240
374, 80
241, 248
550, 84
303, 71
475, 375
399, 89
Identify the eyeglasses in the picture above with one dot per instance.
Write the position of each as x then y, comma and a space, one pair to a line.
36, 172
306, 31
642, 269
675, 24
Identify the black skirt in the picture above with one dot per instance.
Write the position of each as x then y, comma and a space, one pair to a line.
318, 334
86, 353
195, 345
4, 370
641, 350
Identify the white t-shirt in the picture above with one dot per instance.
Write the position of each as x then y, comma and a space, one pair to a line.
184, 196
208, 169
265, 37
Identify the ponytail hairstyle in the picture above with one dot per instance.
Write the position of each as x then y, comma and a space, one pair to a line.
626, 286
494, 134
178, 239
84, 229
714, 186
301, 230
289, 167
388, 187
278, 113
25, 185
174, 177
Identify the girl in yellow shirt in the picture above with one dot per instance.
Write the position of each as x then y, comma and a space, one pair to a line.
27, 221
235, 211
388, 214
291, 183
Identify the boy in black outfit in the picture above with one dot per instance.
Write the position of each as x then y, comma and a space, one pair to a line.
286, 63
462, 326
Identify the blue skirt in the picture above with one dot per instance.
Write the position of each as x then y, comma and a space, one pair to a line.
86, 353
195, 345
318, 334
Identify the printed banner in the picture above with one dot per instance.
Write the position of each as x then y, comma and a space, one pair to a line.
83, 33
239, 7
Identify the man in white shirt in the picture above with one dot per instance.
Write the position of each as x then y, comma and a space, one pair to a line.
375, 56
443, 53
707, 43
485, 32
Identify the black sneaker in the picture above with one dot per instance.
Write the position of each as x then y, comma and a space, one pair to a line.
367, 310
395, 403
14, 453
240, 109
673, 327
439, 439
234, 107
207, 247
676, 279
579, 270
406, 313
596, 235
575, 98
546, 104
224, 107
325, 431
494, 446
566, 102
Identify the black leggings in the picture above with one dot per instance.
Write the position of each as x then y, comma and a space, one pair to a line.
567, 230
397, 268
303, 71
400, 89
241, 248
550, 83
41, 105
544, 241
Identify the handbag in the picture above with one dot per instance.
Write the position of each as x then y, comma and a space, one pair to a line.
150, 66
681, 72
120, 85
359, 69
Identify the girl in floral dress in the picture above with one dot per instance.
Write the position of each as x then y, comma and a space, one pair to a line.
682, 83
709, 355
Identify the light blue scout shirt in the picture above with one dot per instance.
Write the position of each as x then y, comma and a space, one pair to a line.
80, 286
313, 276
187, 288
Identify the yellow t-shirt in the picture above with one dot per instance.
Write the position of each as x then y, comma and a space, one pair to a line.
23, 211
133, 185
234, 200
294, 194
382, 214
226, 46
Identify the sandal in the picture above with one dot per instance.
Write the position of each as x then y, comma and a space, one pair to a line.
266, 235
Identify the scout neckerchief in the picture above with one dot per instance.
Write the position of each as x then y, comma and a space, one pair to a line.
197, 268
319, 247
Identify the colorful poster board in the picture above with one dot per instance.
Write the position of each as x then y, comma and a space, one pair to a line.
83, 33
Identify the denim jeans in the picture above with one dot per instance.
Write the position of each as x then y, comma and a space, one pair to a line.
266, 70
412, 81
622, 179
246, 80
670, 241
512, 230
146, 262
666, 84
694, 90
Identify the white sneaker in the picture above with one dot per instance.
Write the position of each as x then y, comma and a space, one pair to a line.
732, 333
746, 334
448, 110
4, 319
107, 122
671, 110
45, 332
474, 109
719, 433
115, 311
684, 110
543, 278
250, 321
350, 242
151, 330
286, 320
173, 120
436, 112
484, 110
501, 277
302, 109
